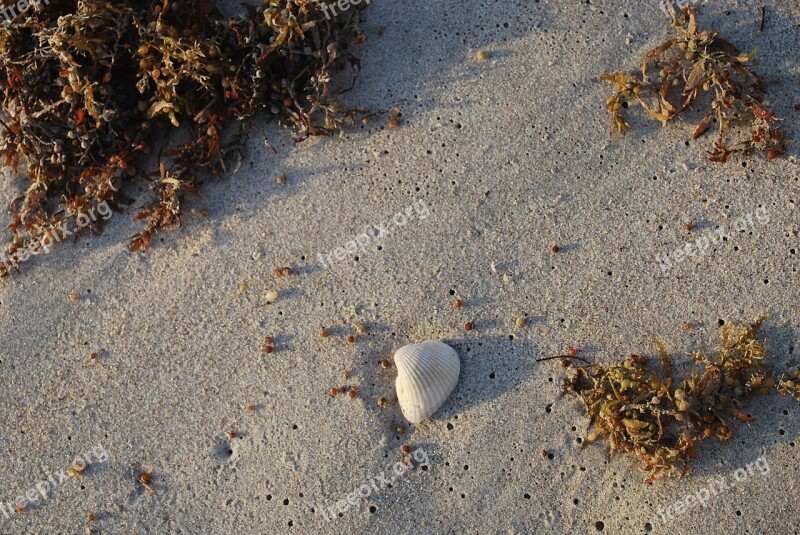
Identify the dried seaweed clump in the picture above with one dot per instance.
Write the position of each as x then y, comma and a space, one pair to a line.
693, 63
90, 88
660, 420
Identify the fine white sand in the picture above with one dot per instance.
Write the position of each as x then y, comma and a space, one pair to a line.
505, 158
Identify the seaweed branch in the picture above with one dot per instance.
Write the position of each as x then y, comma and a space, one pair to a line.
678, 71
639, 411
90, 88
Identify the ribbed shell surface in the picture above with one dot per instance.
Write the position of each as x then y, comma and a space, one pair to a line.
426, 374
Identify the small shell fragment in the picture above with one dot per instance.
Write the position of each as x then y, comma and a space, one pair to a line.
426, 375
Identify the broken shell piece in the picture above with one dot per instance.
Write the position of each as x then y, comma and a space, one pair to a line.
272, 296
426, 374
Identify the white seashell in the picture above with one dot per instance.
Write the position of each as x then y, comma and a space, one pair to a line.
426, 374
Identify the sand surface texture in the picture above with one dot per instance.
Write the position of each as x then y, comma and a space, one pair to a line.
494, 163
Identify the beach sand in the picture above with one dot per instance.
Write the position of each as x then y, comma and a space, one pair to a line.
494, 162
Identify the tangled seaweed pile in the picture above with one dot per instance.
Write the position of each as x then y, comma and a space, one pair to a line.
91, 87
693, 63
661, 421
